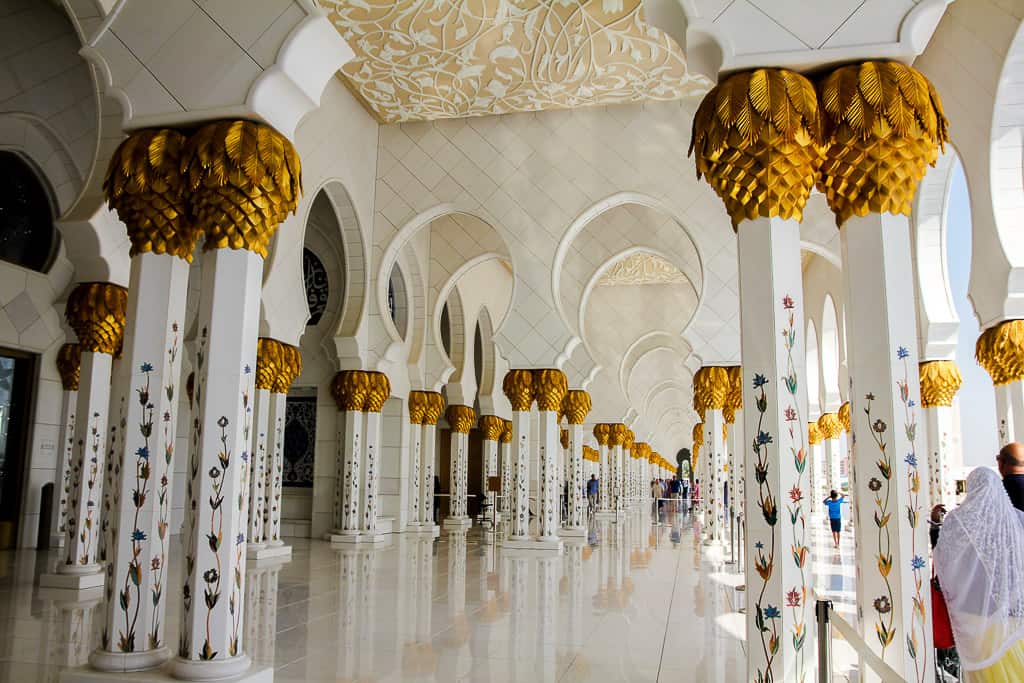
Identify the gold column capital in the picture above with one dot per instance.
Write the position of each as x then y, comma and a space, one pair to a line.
883, 126
1000, 350
550, 386
603, 433
756, 140
144, 186
628, 440
492, 427
417, 406
813, 434
698, 434
435, 407
460, 418
734, 396
69, 365
940, 380
563, 438
96, 312
576, 405
380, 391
844, 416
269, 357
506, 434
518, 387
710, 389
290, 368
243, 179
349, 389
829, 426
617, 435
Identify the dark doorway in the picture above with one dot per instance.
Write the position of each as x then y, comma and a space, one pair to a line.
17, 375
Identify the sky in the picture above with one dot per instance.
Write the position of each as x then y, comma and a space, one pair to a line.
976, 397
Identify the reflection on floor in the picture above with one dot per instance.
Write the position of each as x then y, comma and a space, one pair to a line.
632, 602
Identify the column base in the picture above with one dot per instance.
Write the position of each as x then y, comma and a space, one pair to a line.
170, 672
609, 514
266, 552
362, 538
56, 541
572, 533
530, 547
71, 598
92, 576
128, 662
420, 528
458, 523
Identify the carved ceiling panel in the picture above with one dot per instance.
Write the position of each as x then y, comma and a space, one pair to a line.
422, 60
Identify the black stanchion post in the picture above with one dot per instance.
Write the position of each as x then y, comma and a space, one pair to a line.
821, 611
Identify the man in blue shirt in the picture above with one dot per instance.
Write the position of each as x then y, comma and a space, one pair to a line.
834, 503
592, 492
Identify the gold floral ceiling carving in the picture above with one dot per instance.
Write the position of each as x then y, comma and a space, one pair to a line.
642, 269
435, 59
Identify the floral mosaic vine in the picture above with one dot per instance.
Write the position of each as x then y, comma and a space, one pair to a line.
235, 601
85, 535
67, 483
918, 638
796, 596
158, 563
191, 500
766, 616
882, 490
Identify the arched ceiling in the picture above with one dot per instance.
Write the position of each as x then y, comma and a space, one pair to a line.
422, 61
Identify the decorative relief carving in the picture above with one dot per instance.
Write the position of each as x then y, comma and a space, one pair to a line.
642, 269
419, 60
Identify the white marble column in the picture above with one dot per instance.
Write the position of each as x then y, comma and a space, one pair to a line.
778, 574
260, 191
379, 392
506, 471
460, 420
432, 413
714, 440
96, 311
68, 365
940, 380
417, 408
491, 426
576, 521
550, 387
149, 376
268, 357
602, 433
518, 387
273, 483
890, 484
349, 389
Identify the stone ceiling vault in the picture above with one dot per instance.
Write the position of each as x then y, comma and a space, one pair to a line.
422, 60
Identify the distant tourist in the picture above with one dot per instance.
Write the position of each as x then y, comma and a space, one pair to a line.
1011, 467
592, 488
979, 561
834, 503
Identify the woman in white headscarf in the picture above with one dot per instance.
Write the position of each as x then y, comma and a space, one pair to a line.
979, 561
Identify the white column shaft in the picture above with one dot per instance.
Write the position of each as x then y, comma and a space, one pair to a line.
349, 476
489, 469
890, 489
65, 458
415, 456
261, 465
228, 318
576, 481
604, 487
148, 377
549, 440
521, 474
506, 478
274, 477
457, 475
778, 573
371, 472
429, 453
942, 484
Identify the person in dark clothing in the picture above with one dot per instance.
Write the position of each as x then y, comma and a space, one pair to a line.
935, 523
1011, 467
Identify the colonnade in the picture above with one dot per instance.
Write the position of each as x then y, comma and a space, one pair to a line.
864, 136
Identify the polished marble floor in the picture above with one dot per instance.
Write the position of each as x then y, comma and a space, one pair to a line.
634, 601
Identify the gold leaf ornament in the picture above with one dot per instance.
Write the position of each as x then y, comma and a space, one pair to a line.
96, 312
710, 389
550, 387
417, 406
518, 387
813, 434
144, 186
378, 393
1000, 350
576, 405
734, 397
290, 368
756, 140
602, 433
883, 126
269, 357
940, 380
829, 426
492, 427
69, 366
349, 390
244, 178
460, 418
506, 435
617, 435
844, 416
435, 408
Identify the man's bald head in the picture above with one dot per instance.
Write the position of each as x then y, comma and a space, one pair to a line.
1011, 458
